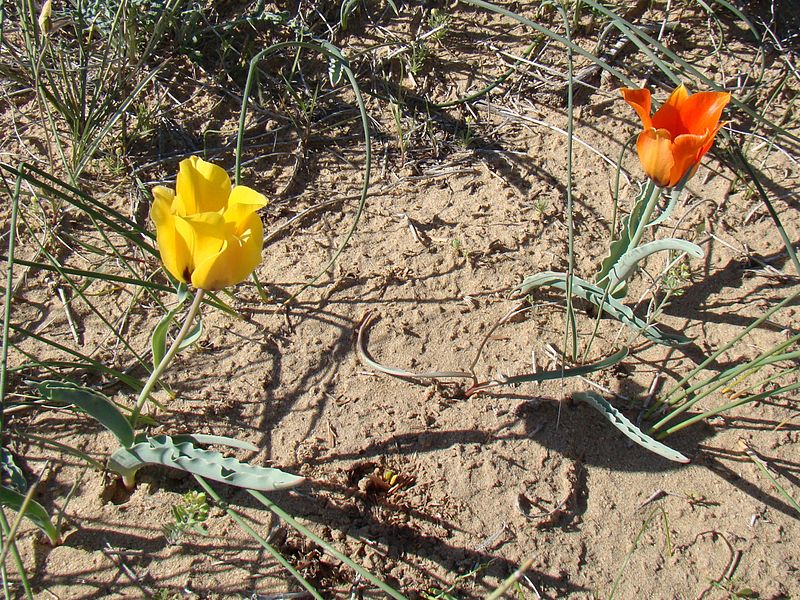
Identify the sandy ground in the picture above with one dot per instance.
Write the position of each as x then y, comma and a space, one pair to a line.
452, 225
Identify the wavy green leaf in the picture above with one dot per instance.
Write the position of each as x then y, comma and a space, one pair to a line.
185, 456
611, 306
618, 420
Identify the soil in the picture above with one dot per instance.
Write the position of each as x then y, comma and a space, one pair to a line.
470, 202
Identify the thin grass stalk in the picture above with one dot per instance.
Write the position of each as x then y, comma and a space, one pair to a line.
94, 310
738, 393
762, 465
570, 327
4, 532
12, 242
555, 37
330, 54
737, 151
328, 548
150, 285
645, 527
11, 538
678, 387
612, 234
727, 407
642, 39
721, 379
194, 309
132, 382
239, 520
118, 222
28, 437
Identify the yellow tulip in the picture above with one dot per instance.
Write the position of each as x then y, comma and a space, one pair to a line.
208, 233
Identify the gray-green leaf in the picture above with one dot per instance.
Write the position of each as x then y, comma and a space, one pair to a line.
627, 264
183, 455
618, 420
92, 402
611, 306
33, 511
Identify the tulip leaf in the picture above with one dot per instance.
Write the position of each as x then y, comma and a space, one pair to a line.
618, 420
182, 454
348, 7
33, 511
193, 335
158, 341
603, 301
627, 264
12, 474
667, 212
336, 61
93, 403
200, 438
622, 244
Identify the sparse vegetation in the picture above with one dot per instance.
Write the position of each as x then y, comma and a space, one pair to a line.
469, 172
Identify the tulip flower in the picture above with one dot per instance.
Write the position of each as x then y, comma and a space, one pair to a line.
677, 136
208, 233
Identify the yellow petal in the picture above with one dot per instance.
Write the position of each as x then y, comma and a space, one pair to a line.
655, 153
171, 245
201, 187
242, 203
204, 234
239, 257
164, 193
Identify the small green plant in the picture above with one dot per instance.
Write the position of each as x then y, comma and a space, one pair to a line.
459, 249
417, 57
466, 134
439, 24
189, 515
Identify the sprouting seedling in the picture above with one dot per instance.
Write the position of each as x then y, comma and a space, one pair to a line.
439, 24
190, 515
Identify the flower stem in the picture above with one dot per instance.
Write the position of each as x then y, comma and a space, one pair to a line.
651, 196
173, 350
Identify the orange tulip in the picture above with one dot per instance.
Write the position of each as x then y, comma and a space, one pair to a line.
679, 134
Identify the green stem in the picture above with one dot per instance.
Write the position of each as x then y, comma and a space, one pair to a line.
652, 194
254, 534
670, 397
12, 242
4, 527
173, 350
721, 409
715, 382
328, 548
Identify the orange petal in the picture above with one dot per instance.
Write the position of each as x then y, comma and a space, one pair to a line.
702, 111
686, 151
639, 100
669, 115
655, 153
